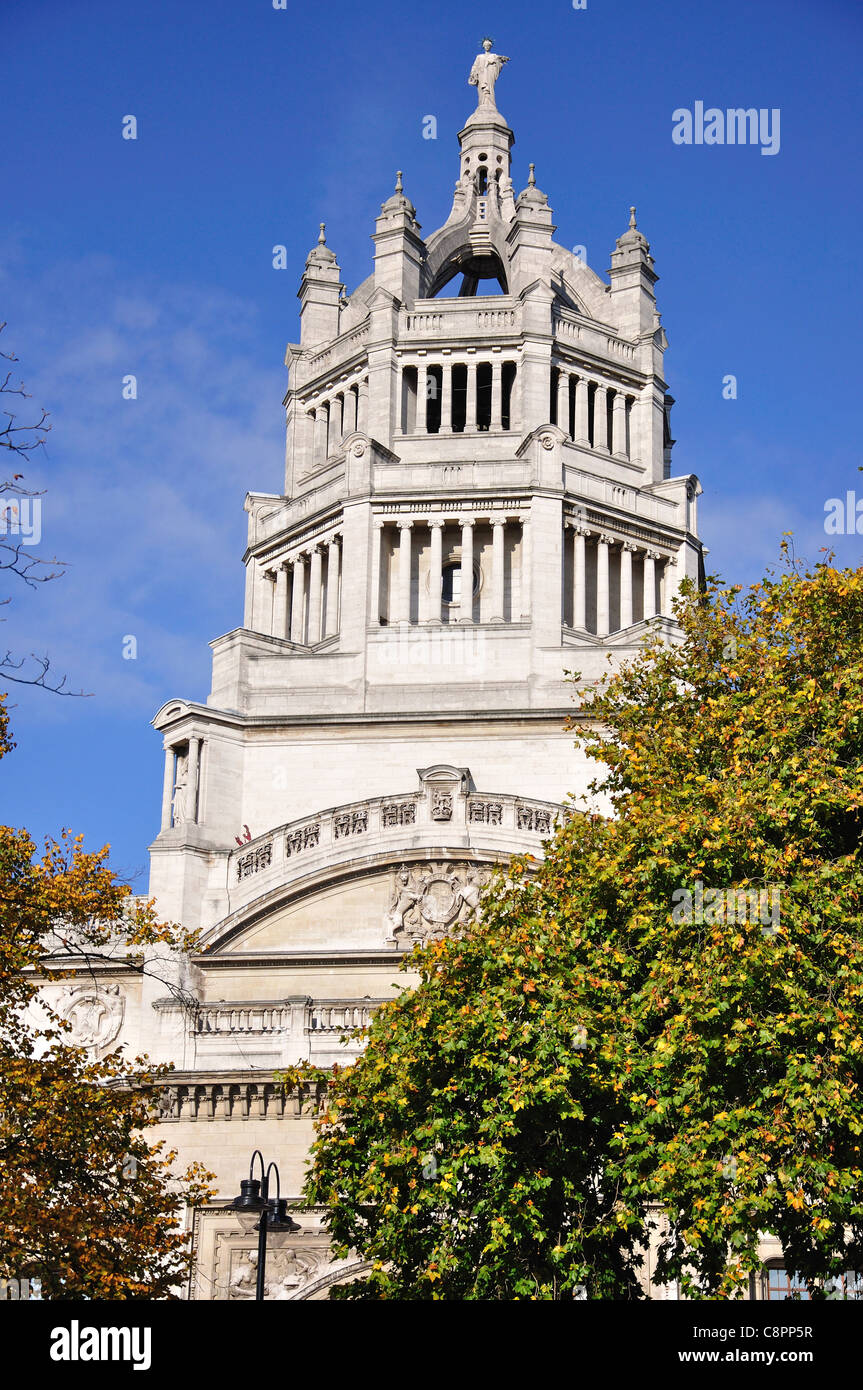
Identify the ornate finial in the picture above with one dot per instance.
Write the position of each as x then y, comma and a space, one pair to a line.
322, 240
632, 218
399, 188
531, 178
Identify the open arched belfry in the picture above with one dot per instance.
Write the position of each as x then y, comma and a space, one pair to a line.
478, 497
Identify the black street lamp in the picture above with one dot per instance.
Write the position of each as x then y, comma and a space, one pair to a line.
271, 1212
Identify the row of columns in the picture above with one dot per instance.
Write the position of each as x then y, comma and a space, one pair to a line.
401, 609
603, 605
295, 607
471, 424
333, 419
616, 445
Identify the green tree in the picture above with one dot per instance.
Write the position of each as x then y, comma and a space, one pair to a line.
629, 1030
88, 1206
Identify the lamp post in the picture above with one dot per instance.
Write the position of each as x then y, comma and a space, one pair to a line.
272, 1213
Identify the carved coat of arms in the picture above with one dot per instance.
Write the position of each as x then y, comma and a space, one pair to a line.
429, 899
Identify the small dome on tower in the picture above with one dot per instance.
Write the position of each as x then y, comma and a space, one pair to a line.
321, 254
632, 236
397, 202
532, 196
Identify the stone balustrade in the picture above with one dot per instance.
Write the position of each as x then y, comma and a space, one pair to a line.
193, 1096
460, 320
379, 826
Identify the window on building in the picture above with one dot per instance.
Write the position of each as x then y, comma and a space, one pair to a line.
451, 582
781, 1284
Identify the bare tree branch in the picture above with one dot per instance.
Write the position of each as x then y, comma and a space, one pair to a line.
16, 520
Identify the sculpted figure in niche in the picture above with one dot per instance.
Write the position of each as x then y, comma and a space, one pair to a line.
485, 72
179, 804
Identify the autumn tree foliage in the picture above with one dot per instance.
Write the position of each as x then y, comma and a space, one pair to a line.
88, 1206
656, 1033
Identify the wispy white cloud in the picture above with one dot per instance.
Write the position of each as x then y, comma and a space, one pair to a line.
144, 497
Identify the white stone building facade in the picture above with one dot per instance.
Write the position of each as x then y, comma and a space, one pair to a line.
479, 497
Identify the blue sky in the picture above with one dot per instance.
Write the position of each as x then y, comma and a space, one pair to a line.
154, 257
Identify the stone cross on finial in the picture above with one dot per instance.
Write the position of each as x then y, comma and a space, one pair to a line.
485, 72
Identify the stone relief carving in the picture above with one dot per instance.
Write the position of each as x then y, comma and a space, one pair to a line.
429, 899
441, 805
350, 823
95, 1013
301, 1270
287, 1272
254, 861
399, 813
305, 838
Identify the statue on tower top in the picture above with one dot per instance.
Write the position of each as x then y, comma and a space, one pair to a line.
485, 72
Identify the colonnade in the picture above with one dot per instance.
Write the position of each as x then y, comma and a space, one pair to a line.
582, 411
431, 529
653, 567
458, 395
339, 414
298, 597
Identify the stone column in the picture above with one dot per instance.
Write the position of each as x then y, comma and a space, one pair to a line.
375, 600
465, 613
496, 395
404, 591
334, 425
192, 782
436, 569
363, 405
650, 558
470, 403
600, 418
315, 589
618, 425
497, 569
280, 607
298, 600
581, 436
563, 400
168, 789
331, 621
602, 606
526, 567
268, 580
349, 423
579, 580
320, 450
446, 398
626, 584
422, 397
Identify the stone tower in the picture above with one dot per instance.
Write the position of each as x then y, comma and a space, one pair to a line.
478, 497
